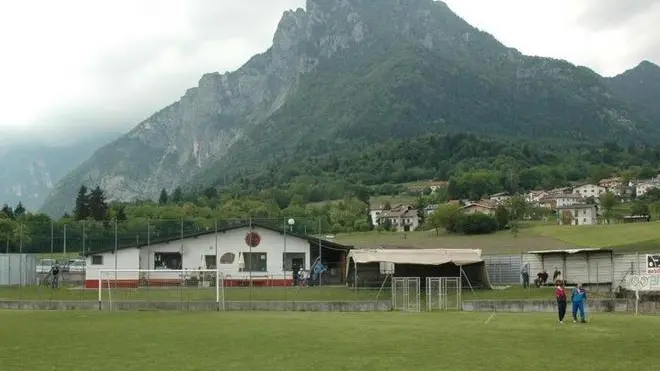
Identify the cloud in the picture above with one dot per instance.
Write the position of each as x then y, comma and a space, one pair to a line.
608, 36
89, 65
72, 67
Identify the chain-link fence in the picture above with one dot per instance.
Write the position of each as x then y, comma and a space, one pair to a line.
260, 259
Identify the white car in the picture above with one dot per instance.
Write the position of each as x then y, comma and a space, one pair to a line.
45, 265
77, 266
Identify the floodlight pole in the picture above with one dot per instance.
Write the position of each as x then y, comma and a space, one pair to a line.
52, 236
320, 254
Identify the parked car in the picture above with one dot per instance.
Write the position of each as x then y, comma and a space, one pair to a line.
44, 266
76, 266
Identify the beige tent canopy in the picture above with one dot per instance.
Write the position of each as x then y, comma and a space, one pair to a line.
417, 256
370, 265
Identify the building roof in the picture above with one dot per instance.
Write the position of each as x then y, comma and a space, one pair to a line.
311, 239
399, 211
570, 251
577, 206
417, 256
478, 204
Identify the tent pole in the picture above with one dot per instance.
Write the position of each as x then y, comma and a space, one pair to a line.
467, 279
355, 275
382, 285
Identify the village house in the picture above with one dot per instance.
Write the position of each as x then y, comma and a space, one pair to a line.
430, 209
534, 197
577, 214
642, 187
479, 207
568, 199
500, 197
589, 190
375, 212
611, 183
403, 218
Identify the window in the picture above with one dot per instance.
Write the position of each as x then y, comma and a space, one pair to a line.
97, 259
293, 260
255, 262
167, 260
227, 258
210, 261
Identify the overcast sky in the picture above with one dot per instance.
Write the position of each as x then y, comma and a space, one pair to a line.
75, 66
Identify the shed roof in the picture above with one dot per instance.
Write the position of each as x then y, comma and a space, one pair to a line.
311, 239
417, 256
570, 251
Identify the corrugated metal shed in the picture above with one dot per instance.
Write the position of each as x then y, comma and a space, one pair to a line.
18, 270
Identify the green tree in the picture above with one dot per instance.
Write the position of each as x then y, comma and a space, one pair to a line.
639, 208
8, 232
98, 208
518, 208
502, 217
19, 210
81, 209
607, 202
177, 195
162, 199
8, 211
442, 216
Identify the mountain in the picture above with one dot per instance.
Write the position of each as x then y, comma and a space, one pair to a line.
640, 88
30, 171
344, 74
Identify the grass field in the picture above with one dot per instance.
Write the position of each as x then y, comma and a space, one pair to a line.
638, 237
258, 293
164, 341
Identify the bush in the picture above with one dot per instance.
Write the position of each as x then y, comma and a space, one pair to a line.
471, 224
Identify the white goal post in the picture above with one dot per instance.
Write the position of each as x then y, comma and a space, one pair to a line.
444, 293
202, 285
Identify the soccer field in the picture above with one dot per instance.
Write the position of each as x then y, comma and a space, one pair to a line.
322, 341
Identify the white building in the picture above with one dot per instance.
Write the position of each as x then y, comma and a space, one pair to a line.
270, 261
567, 199
642, 188
375, 214
589, 190
578, 214
403, 218
500, 197
534, 197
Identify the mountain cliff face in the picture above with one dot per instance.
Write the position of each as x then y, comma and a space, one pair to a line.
29, 172
640, 87
345, 73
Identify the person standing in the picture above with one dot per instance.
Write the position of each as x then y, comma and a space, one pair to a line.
560, 295
55, 283
525, 275
578, 298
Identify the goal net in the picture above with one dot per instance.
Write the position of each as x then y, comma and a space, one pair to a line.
160, 288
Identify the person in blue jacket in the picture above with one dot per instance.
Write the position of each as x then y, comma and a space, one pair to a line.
578, 298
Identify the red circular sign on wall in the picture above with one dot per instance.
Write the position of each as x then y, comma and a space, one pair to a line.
252, 239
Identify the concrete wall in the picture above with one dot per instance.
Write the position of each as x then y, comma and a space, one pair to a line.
594, 305
311, 306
